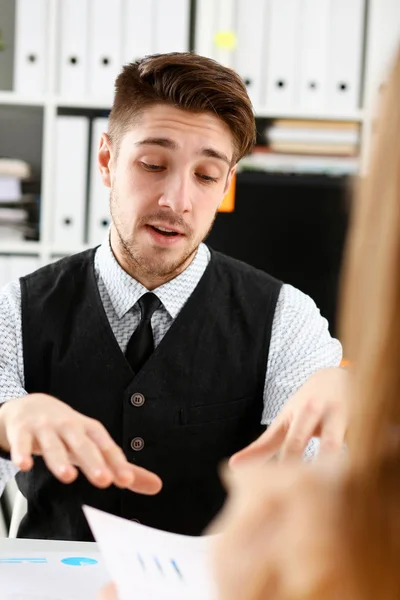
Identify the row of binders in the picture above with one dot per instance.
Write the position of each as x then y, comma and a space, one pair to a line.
81, 203
303, 54
293, 54
95, 38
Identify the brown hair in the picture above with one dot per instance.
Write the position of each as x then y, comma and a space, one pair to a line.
187, 81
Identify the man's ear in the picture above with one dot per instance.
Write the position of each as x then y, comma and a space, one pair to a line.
229, 179
104, 159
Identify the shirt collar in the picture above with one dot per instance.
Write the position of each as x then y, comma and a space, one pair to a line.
124, 291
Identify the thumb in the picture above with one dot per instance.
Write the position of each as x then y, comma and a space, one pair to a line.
265, 447
109, 592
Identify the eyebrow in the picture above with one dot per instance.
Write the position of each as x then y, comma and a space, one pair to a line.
155, 141
171, 145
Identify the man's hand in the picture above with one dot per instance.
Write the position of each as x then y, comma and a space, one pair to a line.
38, 424
319, 408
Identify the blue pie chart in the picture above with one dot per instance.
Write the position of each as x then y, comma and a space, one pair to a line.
79, 561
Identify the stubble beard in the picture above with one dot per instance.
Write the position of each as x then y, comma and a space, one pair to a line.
154, 263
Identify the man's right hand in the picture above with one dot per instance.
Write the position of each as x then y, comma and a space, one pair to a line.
38, 424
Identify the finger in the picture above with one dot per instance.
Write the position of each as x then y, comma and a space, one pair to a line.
55, 455
108, 592
301, 430
145, 482
88, 457
112, 454
21, 445
332, 436
266, 446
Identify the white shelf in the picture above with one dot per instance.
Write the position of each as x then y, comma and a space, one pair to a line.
274, 113
20, 247
62, 249
13, 98
102, 103
105, 103
39, 248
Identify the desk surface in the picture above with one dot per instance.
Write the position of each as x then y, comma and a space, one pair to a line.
26, 545
50, 570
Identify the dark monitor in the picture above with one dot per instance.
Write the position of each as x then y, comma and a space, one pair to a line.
291, 226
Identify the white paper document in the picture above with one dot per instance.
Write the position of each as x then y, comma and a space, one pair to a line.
149, 564
51, 575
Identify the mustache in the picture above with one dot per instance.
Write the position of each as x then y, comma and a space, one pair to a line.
168, 220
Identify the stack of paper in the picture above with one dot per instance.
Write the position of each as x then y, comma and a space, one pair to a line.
150, 564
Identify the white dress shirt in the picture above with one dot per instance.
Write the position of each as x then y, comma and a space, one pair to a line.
300, 341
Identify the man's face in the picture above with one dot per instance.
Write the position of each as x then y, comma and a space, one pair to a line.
167, 181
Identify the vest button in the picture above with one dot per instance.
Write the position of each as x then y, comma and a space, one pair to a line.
137, 399
135, 520
137, 444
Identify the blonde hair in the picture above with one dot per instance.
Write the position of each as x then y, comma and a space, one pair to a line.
371, 338
371, 291
348, 524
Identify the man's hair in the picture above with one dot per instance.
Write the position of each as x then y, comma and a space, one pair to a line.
189, 82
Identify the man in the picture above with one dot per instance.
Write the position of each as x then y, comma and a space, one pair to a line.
152, 342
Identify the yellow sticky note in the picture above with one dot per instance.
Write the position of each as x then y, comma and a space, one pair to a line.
226, 40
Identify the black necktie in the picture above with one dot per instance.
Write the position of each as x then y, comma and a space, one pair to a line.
141, 344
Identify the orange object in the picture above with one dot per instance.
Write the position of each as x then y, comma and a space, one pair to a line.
228, 203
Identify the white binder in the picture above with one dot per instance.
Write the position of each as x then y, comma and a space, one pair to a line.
22, 265
283, 37
225, 24
138, 29
99, 194
105, 46
345, 54
71, 168
171, 26
313, 51
73, 56
251, 26
205, 27
30, 46
4, 269
383, 31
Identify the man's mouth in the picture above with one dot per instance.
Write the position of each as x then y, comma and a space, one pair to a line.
165, 231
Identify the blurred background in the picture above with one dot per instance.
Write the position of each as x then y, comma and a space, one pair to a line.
313, 69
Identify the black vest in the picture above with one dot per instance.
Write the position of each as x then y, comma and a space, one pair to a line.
202, 390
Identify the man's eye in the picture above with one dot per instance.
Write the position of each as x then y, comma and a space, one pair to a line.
206, 178
149, 167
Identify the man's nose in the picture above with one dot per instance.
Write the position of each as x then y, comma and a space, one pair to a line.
176, 195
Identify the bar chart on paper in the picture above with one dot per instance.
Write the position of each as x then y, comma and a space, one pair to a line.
155, 564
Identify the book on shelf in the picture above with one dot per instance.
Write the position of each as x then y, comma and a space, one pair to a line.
19, 201
264, 160
15, 167
308, 137
315, 148
313, 135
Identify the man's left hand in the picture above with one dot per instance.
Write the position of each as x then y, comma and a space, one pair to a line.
318, 409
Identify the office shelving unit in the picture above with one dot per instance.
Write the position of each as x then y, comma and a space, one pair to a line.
47, 249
